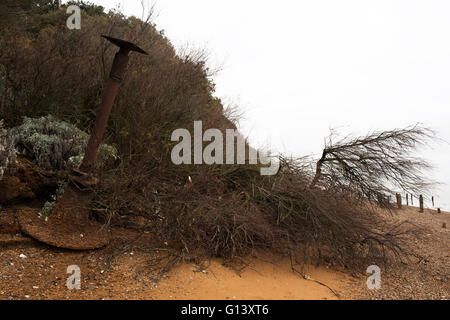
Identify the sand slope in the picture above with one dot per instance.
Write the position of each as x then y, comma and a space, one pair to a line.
261, 280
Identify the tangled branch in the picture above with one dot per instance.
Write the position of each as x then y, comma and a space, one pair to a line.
375, 163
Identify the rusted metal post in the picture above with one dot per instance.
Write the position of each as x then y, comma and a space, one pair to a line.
421, 203
112, 87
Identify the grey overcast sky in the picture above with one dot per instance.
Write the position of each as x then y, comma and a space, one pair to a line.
297, 68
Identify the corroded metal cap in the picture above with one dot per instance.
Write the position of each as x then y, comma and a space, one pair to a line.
125, 45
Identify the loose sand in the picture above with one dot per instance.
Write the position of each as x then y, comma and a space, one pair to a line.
262, 280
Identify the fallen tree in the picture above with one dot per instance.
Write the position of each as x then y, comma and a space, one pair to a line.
376, 163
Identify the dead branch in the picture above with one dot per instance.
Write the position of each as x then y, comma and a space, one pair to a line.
376, 163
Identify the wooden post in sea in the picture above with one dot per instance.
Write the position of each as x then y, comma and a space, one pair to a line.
412, 201
407, 200
399, 200
432, 200
421, 203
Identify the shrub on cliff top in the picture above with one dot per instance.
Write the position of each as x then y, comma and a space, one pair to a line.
55, 144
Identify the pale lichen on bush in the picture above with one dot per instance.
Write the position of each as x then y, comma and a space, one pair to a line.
56, 144
7, 150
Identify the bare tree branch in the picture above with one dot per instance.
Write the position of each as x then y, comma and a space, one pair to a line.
376, 163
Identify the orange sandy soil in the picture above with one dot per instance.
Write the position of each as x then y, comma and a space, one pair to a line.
262, 280
42, 274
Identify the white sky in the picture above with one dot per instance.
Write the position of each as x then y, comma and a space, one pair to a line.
297, 68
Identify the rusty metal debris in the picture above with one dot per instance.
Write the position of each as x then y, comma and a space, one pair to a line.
115, 77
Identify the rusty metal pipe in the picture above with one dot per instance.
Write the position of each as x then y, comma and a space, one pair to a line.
112, 87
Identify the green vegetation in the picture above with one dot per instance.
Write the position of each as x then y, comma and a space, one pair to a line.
56, 144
